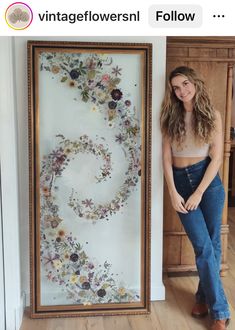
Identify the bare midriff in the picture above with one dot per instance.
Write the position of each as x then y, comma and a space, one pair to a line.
186, 161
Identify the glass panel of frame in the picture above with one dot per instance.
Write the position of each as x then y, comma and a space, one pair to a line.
90, 155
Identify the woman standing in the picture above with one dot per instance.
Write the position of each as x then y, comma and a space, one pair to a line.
192, 155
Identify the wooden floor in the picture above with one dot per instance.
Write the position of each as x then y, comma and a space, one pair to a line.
171, 314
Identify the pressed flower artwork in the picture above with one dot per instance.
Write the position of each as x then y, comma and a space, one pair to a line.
90, 171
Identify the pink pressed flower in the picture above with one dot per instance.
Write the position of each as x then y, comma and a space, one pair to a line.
105, 77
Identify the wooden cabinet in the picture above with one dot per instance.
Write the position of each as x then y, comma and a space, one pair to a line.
213, 59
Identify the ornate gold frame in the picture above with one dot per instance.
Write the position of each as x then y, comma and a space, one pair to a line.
143, 306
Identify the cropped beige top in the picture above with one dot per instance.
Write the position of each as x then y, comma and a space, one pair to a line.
189, 148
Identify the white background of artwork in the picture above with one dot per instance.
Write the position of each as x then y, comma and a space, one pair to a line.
62, 111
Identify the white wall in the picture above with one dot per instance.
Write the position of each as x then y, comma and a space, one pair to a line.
2, 279
10, 254
20, 84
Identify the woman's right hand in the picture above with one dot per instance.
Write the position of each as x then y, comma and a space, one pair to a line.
178, 202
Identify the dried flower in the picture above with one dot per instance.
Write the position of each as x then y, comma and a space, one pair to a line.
73, 279
86, 285
74, 74
116, 94
74, 257
101, 293
55, 69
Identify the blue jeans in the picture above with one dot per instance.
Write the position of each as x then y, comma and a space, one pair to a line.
203, 229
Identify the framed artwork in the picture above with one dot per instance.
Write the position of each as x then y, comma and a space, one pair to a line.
90, 172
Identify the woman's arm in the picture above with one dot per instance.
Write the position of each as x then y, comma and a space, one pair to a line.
176, 200
216, 155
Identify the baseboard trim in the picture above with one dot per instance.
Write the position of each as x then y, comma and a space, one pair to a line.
158, 292
19, 312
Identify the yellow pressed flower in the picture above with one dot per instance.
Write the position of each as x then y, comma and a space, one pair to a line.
82, 279
55, 69
122, 291
112, 114
103, 55
73, 279
67, 151
101, 95
82, 293
57, 264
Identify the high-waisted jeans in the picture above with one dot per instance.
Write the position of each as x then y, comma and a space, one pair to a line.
203, 229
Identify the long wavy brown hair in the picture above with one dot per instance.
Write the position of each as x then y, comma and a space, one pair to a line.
172, 112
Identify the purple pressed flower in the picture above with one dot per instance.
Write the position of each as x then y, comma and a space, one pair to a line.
119, 138
58, 159
90, 276
54, 223
127, 123
130, 182
127, 103
74, 74
136, 163
116, 206
61, 158
49, 259
116, 94
88, 203
101, 293
103, 212
90, 265
74, 257
56, 153
112, 105
86, 285
116, 71
58, 171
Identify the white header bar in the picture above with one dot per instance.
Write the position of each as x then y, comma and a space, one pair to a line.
115, 18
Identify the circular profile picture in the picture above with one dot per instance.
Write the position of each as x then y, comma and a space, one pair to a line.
19, 15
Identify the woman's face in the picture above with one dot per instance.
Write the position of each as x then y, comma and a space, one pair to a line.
183, 88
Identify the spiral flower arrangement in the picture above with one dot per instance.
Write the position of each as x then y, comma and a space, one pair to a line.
62, 256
